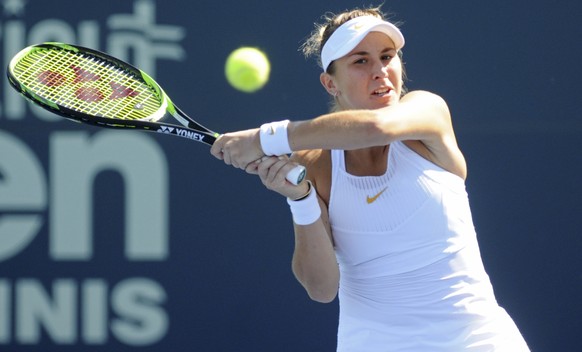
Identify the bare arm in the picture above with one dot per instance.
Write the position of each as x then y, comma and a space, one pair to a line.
314, 262
419, 115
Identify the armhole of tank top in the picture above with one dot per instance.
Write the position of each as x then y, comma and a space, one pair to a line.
451, 180
416, 159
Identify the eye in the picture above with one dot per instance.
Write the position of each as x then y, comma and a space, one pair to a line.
361, 60
388, 55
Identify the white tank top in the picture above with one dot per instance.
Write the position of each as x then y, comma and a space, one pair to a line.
411, 275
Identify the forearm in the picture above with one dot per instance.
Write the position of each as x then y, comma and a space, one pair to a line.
419, 116
314, 262
353, 129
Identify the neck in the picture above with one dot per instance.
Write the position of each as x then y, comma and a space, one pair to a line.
371, 161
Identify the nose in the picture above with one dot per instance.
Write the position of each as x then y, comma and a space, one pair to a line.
380, 70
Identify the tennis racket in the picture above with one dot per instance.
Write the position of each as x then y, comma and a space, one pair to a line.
91, 87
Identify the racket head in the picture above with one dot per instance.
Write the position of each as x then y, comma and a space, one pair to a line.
86, 85
92, 87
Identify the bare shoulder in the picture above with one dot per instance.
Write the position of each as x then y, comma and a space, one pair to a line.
318, 165
428, 99
423, 94
425, 115
440, 146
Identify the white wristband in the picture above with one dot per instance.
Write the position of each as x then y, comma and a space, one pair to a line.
306, 210
274, 139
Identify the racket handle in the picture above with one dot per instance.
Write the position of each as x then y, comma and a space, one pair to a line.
296, 175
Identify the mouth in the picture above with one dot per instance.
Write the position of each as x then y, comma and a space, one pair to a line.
382, 91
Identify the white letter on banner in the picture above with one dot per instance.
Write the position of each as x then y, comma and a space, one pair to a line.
77, 159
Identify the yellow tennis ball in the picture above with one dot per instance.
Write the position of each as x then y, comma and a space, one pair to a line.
247, 69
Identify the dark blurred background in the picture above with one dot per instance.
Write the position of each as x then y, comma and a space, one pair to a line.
210, 269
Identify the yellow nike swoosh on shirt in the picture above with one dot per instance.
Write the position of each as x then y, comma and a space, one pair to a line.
371, 200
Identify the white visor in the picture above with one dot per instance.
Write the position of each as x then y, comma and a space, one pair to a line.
347, 36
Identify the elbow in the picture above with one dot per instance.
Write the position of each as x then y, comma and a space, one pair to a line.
321, 282
323, 291
322, 296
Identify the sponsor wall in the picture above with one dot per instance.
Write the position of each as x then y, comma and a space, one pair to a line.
114, 241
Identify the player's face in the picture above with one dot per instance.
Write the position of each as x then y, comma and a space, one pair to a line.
370, 76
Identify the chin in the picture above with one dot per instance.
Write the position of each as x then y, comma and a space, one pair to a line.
378, 104
387, 100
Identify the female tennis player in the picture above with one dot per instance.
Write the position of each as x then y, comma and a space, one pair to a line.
384, 217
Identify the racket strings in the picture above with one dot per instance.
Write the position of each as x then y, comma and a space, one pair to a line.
88, 84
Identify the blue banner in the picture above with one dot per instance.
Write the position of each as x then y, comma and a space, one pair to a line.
114, 240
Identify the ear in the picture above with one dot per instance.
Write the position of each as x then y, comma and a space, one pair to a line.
328, 83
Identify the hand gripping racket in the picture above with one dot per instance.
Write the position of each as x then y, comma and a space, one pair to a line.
91, 87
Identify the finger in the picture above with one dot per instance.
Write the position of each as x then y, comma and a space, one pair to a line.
232, 158
275, 176
264, 166
218, 154
253, 168
226, 158
217, 148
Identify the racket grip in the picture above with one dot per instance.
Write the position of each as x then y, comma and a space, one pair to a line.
296, 175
